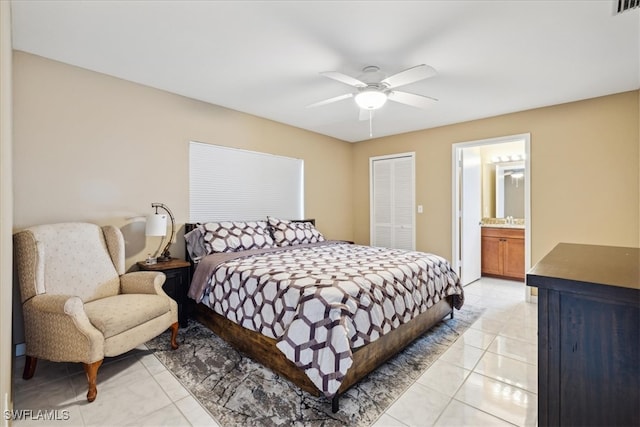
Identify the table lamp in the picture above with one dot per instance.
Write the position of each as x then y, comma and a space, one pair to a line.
157, 226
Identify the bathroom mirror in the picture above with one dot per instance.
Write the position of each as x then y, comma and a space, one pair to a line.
510, 190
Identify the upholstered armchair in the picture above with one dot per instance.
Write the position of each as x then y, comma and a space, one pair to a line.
77, 301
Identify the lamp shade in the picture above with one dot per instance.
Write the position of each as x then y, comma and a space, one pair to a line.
371, 99
156, 225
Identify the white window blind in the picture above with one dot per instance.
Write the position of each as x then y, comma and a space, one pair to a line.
232, 184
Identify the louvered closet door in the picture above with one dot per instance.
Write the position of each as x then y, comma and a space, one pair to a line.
392, 202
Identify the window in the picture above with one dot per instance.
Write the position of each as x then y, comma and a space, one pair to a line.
232, 184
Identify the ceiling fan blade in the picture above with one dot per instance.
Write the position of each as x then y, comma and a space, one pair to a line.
410, 75
343, 78
418, 101
330, 100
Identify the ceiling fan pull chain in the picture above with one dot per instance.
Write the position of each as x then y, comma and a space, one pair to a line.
370, 123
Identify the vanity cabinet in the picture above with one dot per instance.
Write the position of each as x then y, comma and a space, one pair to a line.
503, 252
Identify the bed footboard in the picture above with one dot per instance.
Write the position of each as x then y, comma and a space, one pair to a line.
263, 349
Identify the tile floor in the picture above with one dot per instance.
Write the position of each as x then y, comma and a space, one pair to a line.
488, 377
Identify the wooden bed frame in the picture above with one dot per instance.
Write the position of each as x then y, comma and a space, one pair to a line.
366, 359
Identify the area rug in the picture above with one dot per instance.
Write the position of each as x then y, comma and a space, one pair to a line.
240, 392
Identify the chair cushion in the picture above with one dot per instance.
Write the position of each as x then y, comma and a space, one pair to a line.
116, 314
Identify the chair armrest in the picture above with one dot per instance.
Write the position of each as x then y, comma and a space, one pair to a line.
69, 305
142, 282
57, 328
56, 304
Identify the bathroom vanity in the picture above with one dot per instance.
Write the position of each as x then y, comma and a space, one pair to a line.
503, 251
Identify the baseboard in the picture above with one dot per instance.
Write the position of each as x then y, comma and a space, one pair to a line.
21, 349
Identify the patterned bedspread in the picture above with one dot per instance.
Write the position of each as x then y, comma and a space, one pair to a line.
320, 301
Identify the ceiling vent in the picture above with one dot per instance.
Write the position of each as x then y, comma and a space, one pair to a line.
627, 5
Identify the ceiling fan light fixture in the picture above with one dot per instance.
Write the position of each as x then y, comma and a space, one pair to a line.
371, 99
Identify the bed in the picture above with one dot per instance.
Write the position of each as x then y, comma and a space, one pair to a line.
320, 313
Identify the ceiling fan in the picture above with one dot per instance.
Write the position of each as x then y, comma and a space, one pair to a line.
374, 88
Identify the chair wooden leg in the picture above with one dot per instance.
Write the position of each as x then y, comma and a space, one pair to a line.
91, 369
29, 367
174, 335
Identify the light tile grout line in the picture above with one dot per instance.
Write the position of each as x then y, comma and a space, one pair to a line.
172, 402
416, 380
185, 388
473, 370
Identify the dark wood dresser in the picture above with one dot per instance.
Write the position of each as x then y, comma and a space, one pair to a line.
588, 335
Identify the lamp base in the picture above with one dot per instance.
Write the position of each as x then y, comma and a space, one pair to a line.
164, 258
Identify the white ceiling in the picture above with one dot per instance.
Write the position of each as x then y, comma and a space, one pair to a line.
264, 57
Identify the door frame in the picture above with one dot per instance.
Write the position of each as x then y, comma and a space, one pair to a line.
469, 160
455, 198
412, 155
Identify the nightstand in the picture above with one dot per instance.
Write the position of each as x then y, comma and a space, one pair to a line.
176, 285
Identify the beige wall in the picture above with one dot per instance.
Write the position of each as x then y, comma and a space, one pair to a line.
584, 173
89, 147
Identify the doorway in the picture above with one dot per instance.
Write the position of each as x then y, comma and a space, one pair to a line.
470, 161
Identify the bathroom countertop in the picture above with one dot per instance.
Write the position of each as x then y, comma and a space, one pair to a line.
521, 226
